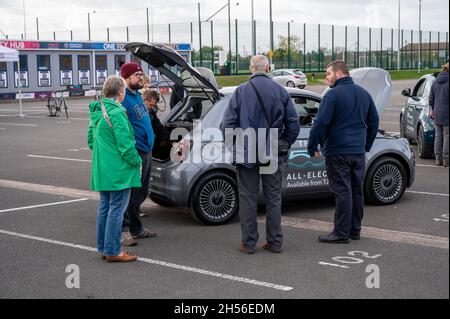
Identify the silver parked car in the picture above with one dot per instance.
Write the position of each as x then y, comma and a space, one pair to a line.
290, 78
209, 186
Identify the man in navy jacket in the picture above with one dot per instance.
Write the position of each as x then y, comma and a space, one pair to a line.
346, 127
246, 113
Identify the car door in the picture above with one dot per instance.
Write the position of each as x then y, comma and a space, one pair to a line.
276, 75
287, 77
304, 174
413, 109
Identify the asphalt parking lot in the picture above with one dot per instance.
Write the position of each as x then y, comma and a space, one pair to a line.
47, 222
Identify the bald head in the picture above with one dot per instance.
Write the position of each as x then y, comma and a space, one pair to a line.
259, 63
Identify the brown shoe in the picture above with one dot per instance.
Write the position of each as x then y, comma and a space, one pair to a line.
272, 249
122, 258
246, 249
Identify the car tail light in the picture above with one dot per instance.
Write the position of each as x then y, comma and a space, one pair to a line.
297, 77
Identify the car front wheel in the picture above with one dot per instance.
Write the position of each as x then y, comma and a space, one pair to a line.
385, 181
215, 199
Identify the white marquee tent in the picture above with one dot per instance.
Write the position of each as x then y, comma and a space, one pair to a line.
10, 55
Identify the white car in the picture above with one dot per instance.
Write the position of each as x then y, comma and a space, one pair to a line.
290, 78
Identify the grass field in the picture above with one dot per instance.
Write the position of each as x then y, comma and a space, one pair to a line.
319, 78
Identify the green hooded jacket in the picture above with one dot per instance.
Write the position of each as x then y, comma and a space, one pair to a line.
116, 163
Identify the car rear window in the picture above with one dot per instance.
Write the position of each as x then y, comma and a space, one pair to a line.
298, 72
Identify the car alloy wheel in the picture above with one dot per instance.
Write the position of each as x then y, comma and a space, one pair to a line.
215, 199
386, 181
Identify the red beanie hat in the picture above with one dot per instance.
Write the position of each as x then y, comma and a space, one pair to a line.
129, 69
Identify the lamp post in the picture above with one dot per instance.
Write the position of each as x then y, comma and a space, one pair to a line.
229, 27
399, 35
89, 24
200, 34
24, 21
253, 30
420, 36
271, 26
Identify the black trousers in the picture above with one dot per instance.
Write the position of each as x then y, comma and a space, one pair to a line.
132, 220
346, 176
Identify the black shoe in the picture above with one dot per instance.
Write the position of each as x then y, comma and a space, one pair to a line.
355, 237
247, 249
333, 239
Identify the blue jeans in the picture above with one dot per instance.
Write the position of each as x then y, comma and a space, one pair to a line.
109, 221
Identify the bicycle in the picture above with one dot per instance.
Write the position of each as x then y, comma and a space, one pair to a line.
56, 102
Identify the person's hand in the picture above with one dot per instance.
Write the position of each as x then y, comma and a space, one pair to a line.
431, 113
317, 154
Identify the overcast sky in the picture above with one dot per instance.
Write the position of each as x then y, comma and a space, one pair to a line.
60, 15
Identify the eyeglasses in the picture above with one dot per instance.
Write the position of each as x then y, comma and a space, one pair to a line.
138, 75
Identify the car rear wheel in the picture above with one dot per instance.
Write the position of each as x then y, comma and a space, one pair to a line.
385, 181
425, 150
301, 87
290, 84
215, 199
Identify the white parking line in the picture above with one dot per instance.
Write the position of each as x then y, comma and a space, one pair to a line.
430, 166
60, 158
159, 263
44, 117
426, 193
14, 124
332, 265
368, 232
44, 205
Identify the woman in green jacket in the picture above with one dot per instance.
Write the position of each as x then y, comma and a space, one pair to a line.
115, 166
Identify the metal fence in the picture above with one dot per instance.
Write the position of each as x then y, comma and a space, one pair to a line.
309, 47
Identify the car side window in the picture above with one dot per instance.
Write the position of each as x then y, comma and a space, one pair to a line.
427, 90
307, 110
420, 88
276, 73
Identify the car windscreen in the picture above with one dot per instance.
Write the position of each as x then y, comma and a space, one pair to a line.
214, 117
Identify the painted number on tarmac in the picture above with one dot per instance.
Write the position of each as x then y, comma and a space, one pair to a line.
351, 259
444, 218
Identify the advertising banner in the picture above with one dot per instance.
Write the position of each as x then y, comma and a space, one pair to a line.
101, 76
23, 78
84, 77
44, 78
3, 79
66, 77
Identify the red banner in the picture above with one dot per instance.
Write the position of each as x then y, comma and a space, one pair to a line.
20, 45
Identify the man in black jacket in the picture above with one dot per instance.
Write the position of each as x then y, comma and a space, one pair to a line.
439, 105
346, 127
151, 99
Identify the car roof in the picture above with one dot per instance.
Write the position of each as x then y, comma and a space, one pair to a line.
288, 70
230, 90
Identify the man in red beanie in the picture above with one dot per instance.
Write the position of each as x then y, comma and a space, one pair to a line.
139, 117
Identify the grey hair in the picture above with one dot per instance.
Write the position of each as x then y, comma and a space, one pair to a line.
258, 63
112, 87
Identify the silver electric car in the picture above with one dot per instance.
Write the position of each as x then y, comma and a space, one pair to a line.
189, 174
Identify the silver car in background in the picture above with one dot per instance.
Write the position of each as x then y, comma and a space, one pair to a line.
209, 187
290, 78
